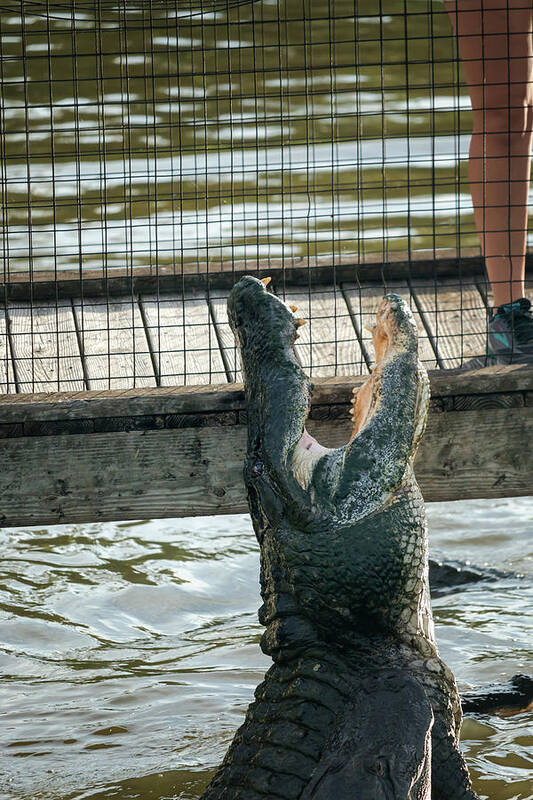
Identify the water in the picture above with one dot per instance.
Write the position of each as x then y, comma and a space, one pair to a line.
140, 136
130, 650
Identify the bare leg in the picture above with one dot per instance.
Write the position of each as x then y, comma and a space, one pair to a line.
494, 38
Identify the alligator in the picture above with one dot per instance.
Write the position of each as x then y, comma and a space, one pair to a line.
358, 704
446, 575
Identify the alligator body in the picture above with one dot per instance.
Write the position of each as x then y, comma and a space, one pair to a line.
358, 704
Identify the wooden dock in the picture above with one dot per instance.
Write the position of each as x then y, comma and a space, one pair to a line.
70, 333
126, 405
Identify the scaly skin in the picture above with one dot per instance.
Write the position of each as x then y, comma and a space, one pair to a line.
358, 704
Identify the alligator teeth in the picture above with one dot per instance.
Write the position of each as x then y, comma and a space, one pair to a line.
265, 281
300, 322
293, 308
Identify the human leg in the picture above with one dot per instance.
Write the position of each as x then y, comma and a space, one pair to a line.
495, 44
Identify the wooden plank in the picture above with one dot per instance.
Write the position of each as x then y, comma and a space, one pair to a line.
183, 339
327, 344
231, 266
218, 300
66, 425
365, 299
103, 476
7, 375
222, 275
511, 378
45, 347
516, 378
114, 343
457, 318
114, 476
454, 462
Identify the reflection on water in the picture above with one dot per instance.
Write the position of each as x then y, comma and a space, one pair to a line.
136, 134
130, 651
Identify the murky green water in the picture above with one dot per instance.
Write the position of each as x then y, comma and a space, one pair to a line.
136, 135
130, 651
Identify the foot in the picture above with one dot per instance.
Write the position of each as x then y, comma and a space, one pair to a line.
510, 336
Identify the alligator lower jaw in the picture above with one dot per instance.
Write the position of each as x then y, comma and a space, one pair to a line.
366, 400
389, 340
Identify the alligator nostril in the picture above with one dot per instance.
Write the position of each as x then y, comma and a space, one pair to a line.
377, 766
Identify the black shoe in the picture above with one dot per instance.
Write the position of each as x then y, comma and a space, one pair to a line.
510, 337
511, 334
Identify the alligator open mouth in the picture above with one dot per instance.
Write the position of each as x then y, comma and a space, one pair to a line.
393, 332
266, 329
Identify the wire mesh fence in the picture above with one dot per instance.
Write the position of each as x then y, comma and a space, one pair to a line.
152, 152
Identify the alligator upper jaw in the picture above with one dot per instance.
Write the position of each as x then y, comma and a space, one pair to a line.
278, 391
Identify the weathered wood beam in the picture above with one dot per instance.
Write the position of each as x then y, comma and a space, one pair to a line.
187, 277
88, 456
211, 398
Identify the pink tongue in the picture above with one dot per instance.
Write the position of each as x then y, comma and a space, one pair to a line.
307, 441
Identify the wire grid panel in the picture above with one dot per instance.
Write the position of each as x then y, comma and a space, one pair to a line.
186, 138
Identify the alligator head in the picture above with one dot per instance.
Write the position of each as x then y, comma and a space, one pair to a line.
327, 555
278, 391
358, 702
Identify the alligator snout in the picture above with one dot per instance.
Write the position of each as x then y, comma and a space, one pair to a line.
260, 321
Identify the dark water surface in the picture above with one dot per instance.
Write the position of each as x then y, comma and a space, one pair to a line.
130, 651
